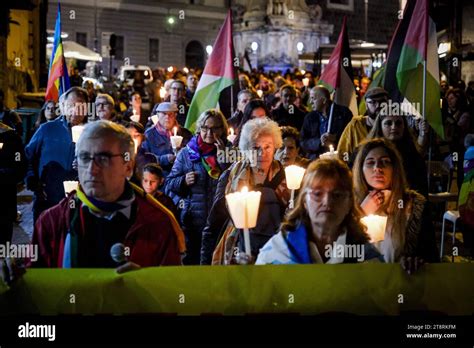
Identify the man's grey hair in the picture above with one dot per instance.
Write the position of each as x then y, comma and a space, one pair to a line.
103, 129
257, 127
106, 96
214, 113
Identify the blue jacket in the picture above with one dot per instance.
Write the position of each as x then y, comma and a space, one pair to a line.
198, 198
52, 142
160, 146
311, 130
50, 154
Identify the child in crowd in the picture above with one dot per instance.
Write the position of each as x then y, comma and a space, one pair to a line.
152, 179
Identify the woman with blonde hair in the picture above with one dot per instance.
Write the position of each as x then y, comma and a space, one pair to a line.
381, 188
325, 220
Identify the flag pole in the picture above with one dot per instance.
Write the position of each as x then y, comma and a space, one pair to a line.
330, 115
424, 119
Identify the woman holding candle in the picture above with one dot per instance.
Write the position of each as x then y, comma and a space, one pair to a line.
193, 178
381, 189
325, 219
260, 137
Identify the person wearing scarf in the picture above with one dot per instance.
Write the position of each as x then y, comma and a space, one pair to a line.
194, 176
158, 138
259, 172
107, 209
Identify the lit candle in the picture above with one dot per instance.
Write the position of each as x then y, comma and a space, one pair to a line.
154, 119
135, 117
1, 146
243, 208
176, 140
294, 176
329, 155
260, 93
376, 225
162, 92
76, 132
186, 70
135, 141
70, 186
306, 82
231, 137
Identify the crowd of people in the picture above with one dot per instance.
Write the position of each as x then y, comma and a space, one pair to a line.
166, 204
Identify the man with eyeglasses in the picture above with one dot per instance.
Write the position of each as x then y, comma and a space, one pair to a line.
158, 138
104, 108
177, 97
107, 210
359, 127
50, 152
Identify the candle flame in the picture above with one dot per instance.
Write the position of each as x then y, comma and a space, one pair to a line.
245, 189
231, 131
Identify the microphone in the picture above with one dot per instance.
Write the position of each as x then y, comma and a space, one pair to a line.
117, 253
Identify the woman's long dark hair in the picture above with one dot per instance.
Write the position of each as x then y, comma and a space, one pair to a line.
247, 114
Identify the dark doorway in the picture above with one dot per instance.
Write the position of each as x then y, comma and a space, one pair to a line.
194, 55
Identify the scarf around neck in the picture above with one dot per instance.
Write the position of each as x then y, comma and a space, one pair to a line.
206, 153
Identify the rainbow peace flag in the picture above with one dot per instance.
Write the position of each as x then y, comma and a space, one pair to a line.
58, 78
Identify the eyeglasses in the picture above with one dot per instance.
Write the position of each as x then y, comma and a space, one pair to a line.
381, 163
205, 129
317, 195
103, 160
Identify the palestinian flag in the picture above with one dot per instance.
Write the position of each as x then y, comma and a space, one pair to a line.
58, 78
337, 75
218, 75
416, 41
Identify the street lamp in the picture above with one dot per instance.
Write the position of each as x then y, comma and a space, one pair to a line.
254, 46
300, 47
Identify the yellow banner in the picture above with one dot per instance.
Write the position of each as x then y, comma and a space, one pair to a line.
364, 289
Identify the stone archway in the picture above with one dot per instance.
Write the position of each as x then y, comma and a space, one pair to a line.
194, 55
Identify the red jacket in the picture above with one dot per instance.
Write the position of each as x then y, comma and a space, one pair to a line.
155, 238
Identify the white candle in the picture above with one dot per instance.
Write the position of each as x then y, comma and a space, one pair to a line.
231, 137
76, 132
162, 92
176, 141
1, 146
294, 176
70, 186
135, 117
376, 225
329, 155
135, 141
331, 149
306, 82
154, 119
260, 93
243, 208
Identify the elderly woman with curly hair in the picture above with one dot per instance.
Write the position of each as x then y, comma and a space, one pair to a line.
381, 188
325, 220
259, 171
